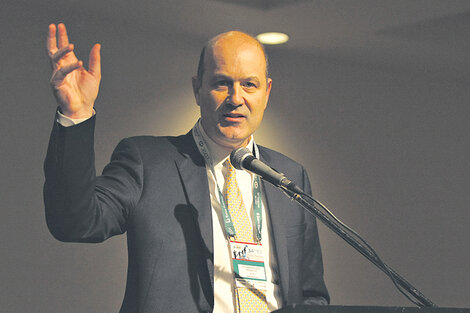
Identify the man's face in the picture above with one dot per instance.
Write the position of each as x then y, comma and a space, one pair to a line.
234, 92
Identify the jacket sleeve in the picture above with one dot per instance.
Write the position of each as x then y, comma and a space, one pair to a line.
80, 206
313, 285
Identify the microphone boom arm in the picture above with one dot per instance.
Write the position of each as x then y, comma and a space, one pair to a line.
326, 220
242, 158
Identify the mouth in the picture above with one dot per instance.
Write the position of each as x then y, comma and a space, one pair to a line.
233, 117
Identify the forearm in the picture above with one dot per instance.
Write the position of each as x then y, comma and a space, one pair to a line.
79, 206
70, 174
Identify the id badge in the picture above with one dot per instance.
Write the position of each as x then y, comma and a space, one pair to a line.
248, 264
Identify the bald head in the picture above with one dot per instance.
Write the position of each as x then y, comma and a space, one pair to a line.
232, 39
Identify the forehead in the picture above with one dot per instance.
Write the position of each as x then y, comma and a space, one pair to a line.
235, 55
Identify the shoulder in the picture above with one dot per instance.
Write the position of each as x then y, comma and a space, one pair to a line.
148, 141
157, 147
281, 162
161, 143
284, 164
270, 155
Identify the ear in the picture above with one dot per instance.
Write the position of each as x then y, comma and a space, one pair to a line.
196, 87
268, 90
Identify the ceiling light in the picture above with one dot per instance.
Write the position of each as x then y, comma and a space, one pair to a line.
272, 38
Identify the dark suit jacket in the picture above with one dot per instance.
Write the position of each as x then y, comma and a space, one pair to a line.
156, 190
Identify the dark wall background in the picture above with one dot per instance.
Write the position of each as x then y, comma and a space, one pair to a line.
386, 147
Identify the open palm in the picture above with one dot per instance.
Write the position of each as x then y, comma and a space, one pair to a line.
74, 87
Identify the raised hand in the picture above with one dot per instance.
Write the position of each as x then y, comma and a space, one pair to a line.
75, 88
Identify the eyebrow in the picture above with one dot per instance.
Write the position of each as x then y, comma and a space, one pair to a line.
254, 78
223, 76
220, 76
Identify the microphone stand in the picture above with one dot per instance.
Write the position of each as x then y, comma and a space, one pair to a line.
310, 207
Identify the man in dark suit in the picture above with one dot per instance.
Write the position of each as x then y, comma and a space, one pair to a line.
165, 192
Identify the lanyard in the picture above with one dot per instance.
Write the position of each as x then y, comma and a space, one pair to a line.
257, 204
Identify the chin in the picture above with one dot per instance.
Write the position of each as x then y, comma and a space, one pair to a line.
233, 141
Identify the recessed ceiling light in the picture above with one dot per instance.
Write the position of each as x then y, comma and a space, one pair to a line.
272, 38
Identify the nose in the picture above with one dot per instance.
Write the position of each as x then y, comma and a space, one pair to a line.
235, 96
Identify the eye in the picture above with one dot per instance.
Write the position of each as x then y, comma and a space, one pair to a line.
223, 83
250, 85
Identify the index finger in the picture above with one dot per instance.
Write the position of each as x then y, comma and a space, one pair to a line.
94, 64
51, 41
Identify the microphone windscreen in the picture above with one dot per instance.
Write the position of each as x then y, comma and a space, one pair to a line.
237, 156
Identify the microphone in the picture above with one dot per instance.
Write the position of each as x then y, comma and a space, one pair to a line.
242, 158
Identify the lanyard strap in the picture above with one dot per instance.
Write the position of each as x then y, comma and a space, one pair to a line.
257, 207
257, 204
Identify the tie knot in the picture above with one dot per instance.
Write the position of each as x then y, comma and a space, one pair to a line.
231, 177
230, 168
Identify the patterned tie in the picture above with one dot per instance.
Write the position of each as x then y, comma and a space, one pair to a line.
247, 299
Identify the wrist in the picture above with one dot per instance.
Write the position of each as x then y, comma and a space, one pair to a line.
80, 114
67, 121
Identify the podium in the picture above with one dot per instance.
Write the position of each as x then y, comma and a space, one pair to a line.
366, 309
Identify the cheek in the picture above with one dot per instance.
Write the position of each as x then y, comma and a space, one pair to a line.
208, 104
259, 106
217, 98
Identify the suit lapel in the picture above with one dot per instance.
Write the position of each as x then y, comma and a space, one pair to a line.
193, 175
276, 210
